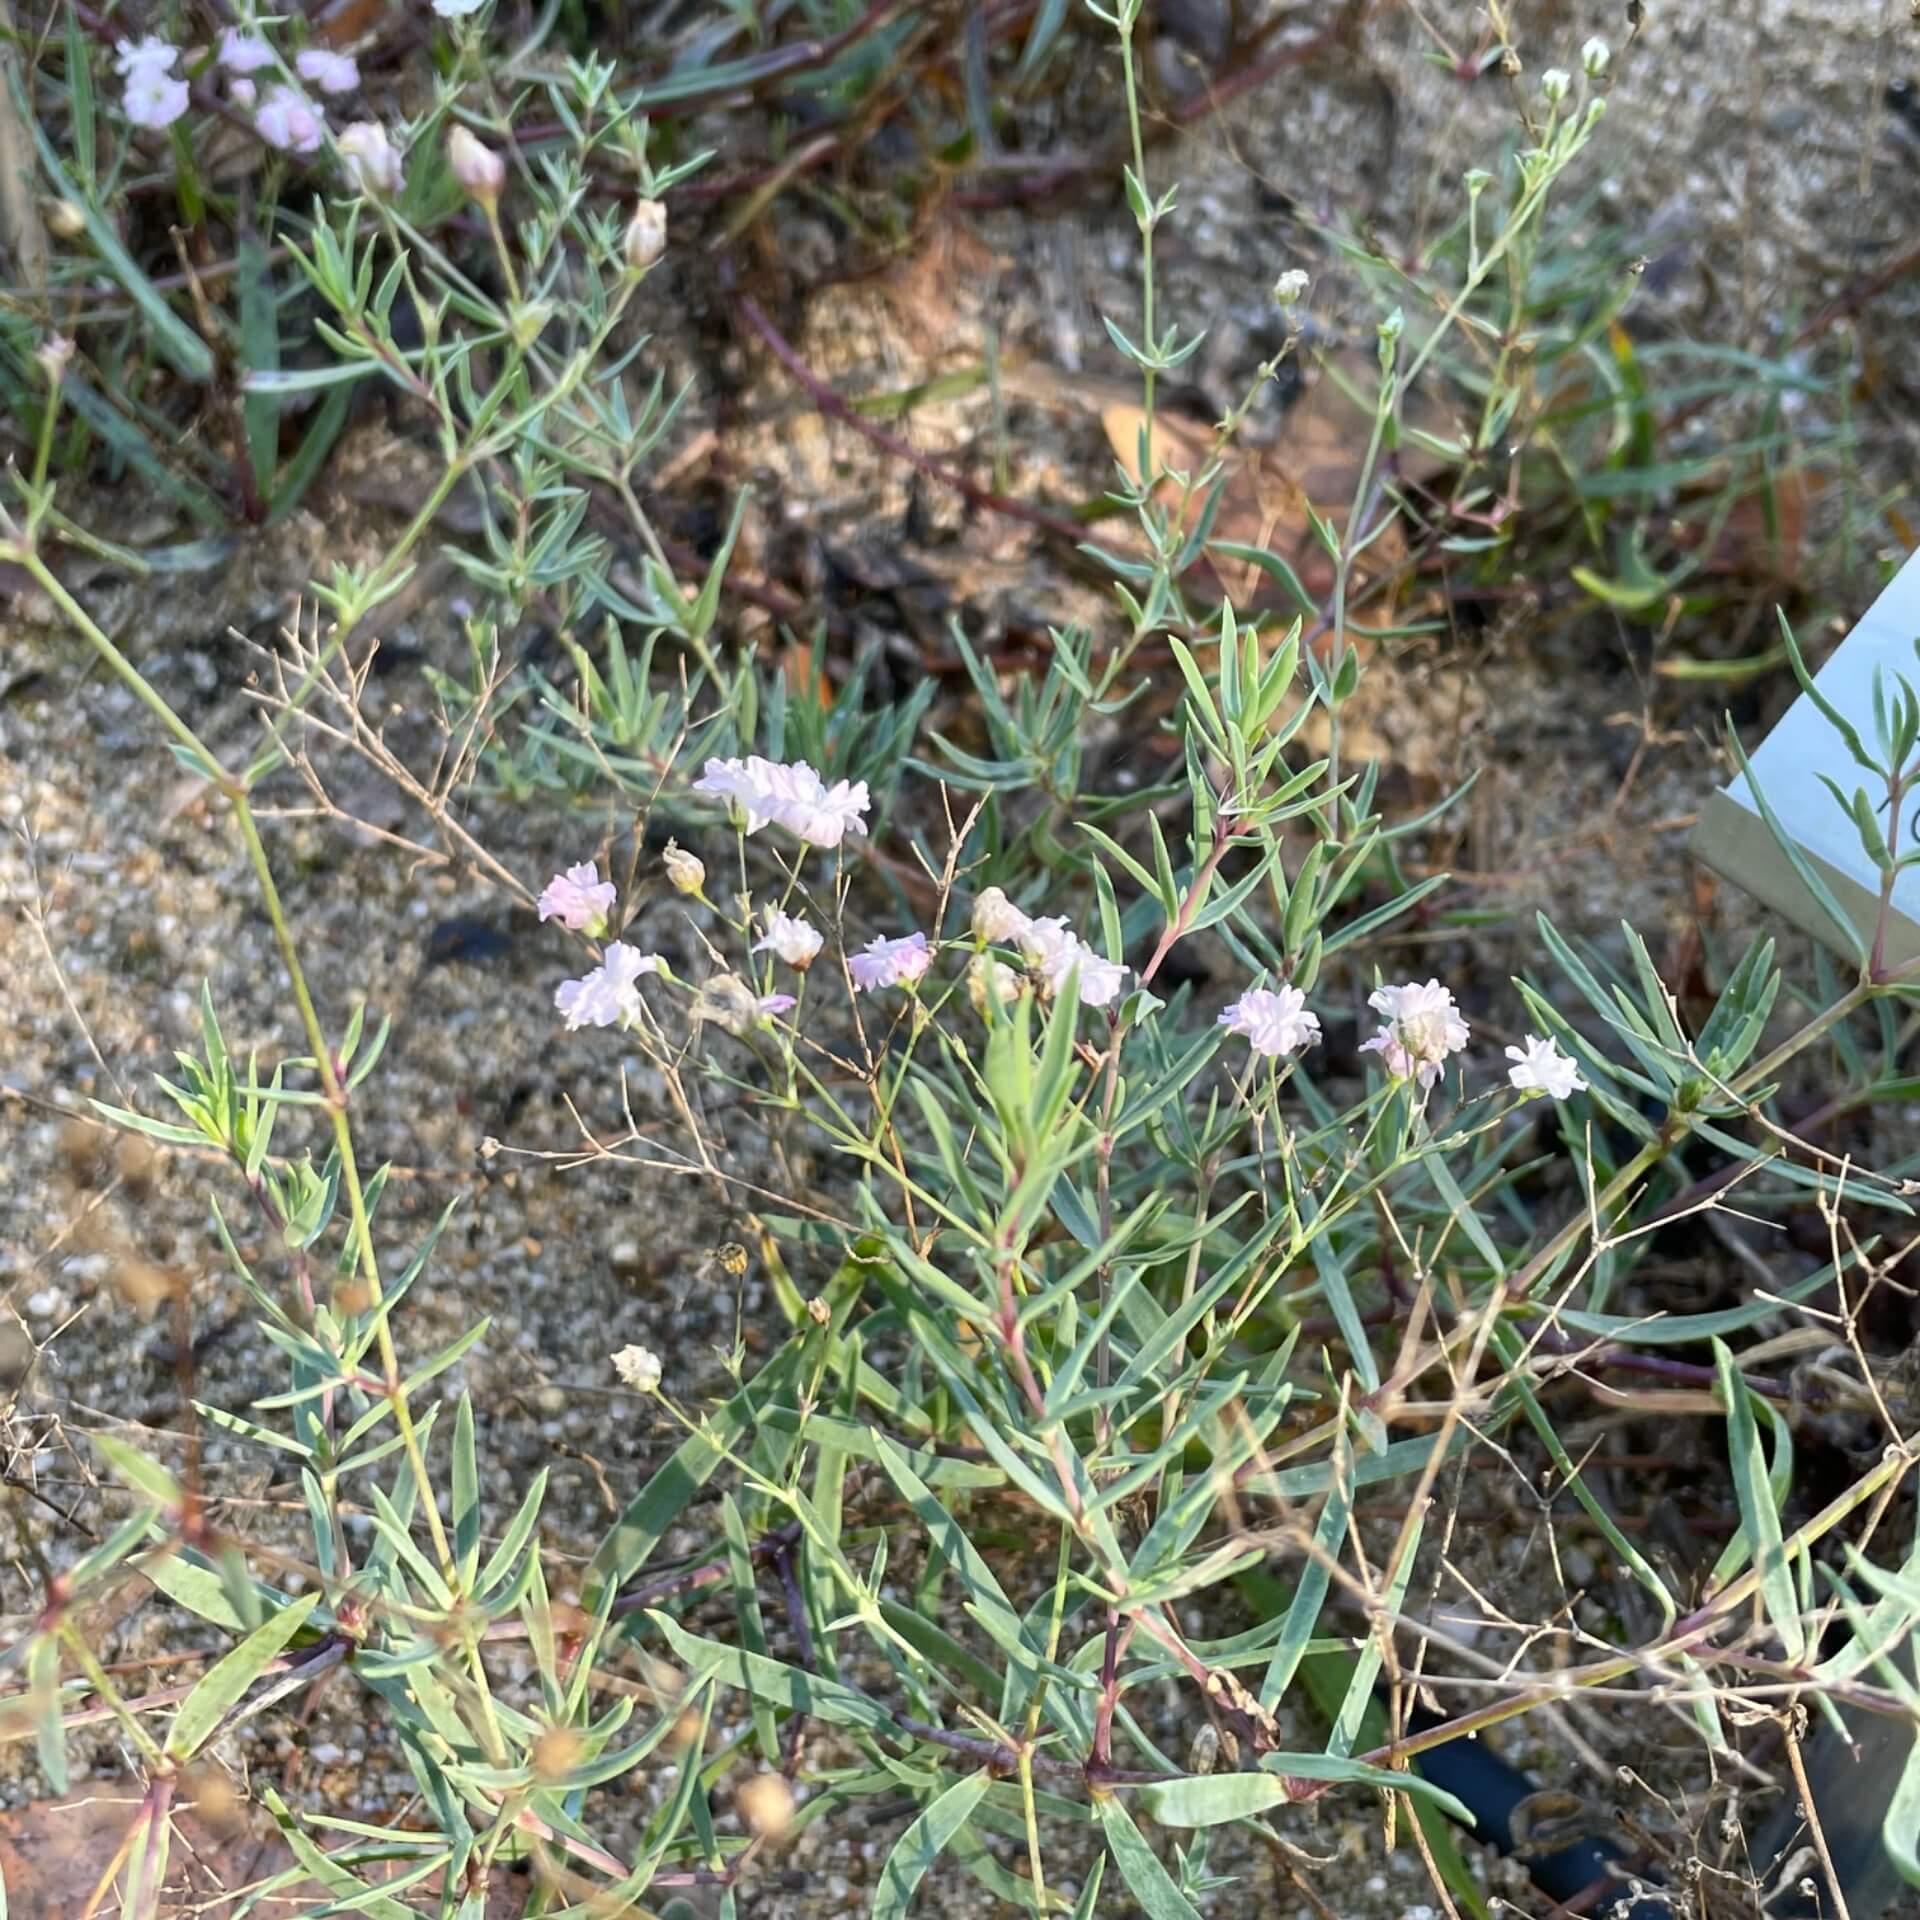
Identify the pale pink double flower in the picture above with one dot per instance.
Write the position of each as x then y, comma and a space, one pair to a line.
1055, 953
610, 994
791, 794
1422, 1028
1273, 1021
1051, 948
890, 963
579, 899
155, 97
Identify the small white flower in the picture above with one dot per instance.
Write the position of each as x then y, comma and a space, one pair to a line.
373, 161
1594, 57
149, 54
287, 119
1290, 288
759, 791
1275, 1022
53, 354
579, 899
638, 1368
997, 922
805, 805
1045, 940
457, 9
795, 939
1054, 951
1100, 978
1540, 1067
153, 99
1554, 84
610, 994
890, 963
1422, 1028
329, 71
244, 52
730, 781
242, 92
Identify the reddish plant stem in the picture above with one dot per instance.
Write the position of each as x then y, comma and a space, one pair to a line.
793, 1741
1118, 1634
707, 1573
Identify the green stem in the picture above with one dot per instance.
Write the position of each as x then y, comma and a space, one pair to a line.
331, 1087
1147, 342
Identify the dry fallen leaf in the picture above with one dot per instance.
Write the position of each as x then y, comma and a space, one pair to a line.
1315, 460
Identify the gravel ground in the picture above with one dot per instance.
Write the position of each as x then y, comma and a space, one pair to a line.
1734, 146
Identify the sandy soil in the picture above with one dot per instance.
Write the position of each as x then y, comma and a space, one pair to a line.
1734, 151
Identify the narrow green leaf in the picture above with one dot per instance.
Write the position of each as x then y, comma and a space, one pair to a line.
1850, 935
924, 1841
176, 341
987, 1599
260, 349
1147, 1880
654, 1509
466, 1494
141, 1474
1316, 1574
43, 1703
1366, 1662
1759, 1515
773, 1680
222, 1685
1901, 1828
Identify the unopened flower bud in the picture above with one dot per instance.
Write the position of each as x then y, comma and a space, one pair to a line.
646, 237
479, 170
686, 872
530, 321
991, 981
1392, 327
67, 219
996, 920
53, 353
1594, 57
1554, 84
373, 161
1291, 285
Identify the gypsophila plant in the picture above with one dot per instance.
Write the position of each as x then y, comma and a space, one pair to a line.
1170, 1276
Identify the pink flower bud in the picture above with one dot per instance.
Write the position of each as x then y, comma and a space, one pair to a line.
478, 168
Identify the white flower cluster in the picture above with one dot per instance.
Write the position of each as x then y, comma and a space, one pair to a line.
760, 792
1052, 950
1421, 1027
155, 96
